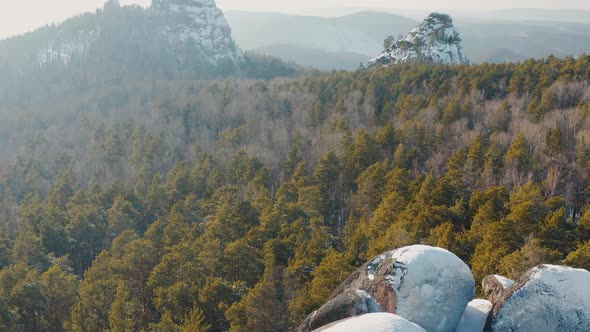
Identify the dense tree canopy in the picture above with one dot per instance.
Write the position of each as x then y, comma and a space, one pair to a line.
240, 205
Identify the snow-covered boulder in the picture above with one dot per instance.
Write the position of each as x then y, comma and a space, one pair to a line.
494, 286
475, 316
546, 298
433, 286
377, 322
425, 285
434, 40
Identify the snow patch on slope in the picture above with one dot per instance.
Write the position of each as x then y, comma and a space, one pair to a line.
65, 51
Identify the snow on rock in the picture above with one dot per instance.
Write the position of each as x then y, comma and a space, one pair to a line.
376, 322
201, 22
475, 316
434, 40
425, 285
504, 281
494, 287
433, 286
372, 268
546, 298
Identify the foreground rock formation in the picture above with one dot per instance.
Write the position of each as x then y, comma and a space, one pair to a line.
427, 286
421, 288
546, 298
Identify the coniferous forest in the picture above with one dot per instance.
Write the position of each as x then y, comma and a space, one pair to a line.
241, 204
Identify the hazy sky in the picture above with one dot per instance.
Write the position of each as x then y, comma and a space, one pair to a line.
18, 16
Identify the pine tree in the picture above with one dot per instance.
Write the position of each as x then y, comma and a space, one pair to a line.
60, 291
333, 269
518, 160
264, 308
195, 322
123, 310
580, 258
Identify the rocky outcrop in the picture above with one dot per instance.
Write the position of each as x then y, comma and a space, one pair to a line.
432, 289
546, 298
378, 322
199, 22
434, 40
172, 27
494, 287
427, 286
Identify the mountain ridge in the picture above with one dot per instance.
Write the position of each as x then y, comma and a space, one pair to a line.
177, 23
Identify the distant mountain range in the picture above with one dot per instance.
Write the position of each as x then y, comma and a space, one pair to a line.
191, 38
487, 37
515, 14
530, 14
357, 33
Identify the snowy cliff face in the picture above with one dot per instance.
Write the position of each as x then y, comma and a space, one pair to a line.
199, 22
179, 25
434, 40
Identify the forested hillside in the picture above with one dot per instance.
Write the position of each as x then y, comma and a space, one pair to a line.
240, 204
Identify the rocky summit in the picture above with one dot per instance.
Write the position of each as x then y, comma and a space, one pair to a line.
434, 40
200, 22
427, 286
422, 288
